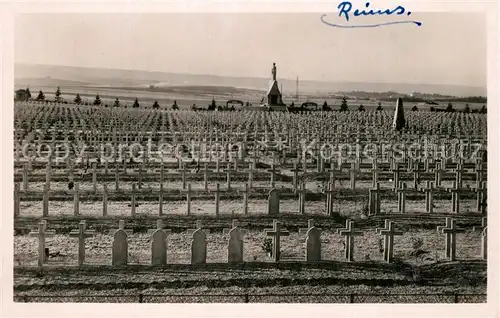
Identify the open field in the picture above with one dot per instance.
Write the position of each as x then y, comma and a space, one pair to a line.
33, 75
189, 89
201, 96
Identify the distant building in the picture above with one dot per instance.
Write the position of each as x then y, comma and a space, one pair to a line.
22, 95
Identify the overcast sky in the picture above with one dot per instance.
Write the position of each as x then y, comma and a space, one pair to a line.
449, 48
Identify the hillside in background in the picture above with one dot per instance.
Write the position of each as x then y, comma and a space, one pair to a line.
32, 75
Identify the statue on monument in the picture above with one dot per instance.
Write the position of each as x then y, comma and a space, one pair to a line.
273, 71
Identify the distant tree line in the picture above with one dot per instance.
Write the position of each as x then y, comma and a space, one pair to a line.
449, 109
291, 108
344, 107
78, 100
470, 99
393, 96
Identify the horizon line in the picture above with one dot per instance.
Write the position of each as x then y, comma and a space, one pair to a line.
238, 76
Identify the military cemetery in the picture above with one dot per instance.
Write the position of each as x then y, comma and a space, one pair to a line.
158, 197
260, 204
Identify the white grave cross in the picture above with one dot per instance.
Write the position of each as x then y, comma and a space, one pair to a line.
42, 233
81, 234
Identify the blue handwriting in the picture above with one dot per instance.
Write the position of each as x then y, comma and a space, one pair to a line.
345, 9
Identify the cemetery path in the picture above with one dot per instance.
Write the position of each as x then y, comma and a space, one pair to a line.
276, 294
464, 276
178, 223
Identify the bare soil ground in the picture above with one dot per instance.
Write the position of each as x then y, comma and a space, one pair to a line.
233, 207
327, 282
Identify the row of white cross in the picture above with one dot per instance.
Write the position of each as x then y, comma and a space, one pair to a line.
235, 243
374, 198
333, 175
371, 121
